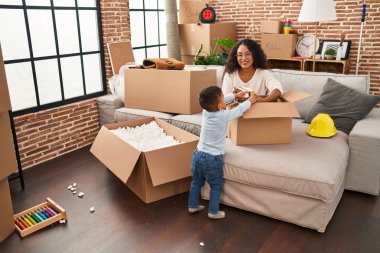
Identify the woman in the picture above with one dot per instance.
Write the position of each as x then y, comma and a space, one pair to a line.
247, 67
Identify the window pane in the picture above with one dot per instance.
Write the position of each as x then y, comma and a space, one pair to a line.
92, 73
38, 2
153, 52
164, 52
48, 81
150, 4
151, 27
13, 37
162, 27
161, 4
67, 30
11, 2
42, 33
89, 30
136, 4
86, 3
72, 77
67, 3
21, 85
137, 28
139, 55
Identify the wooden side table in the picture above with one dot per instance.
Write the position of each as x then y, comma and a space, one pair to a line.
279, 63
331, 66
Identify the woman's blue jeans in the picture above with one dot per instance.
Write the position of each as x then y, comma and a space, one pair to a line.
206, 167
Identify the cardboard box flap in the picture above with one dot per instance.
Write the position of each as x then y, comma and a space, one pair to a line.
294, 95
120, 54
115, 154
177, 133
164, 169
272, 110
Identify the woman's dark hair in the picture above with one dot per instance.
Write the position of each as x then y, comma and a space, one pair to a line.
259, 57
209, 98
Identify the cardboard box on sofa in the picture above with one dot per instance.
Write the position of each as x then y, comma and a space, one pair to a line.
271, 26
7, 225
266, 123
151, 175
189, 10
193, 35
7, 155
279, 45
172, 91
5, 102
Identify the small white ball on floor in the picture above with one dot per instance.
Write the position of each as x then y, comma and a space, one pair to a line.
69, 187
92, 209
74, 192
81, 194
75, 184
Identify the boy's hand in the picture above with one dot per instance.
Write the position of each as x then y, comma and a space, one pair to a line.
252, 97
240, 94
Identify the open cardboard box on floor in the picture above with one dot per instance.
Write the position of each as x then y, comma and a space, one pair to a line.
7, 225
151, 175
172, 91
5, 102
266, 123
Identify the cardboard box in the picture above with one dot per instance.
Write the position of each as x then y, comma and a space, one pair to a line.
8, 163
120, 54
7, 225
189, 10
151, 175
271, 26
172, 91
192, 36
279, 45
5, 102
266, 123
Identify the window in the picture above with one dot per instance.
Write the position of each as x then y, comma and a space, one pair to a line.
148, 29
52, 52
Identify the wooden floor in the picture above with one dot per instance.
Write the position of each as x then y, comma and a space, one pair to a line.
123, 223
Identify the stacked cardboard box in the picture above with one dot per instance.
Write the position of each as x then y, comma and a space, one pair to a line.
193, 35
7, 157
274, 43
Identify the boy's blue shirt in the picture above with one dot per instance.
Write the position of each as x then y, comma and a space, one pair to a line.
214, 126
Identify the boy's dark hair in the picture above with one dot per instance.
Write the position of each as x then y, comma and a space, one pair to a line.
209, 98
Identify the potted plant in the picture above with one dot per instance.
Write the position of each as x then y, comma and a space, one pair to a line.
330, 53
213, 58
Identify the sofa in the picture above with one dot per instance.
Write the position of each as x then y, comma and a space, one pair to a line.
301, 182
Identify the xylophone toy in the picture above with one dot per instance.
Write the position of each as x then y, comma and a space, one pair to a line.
38, 217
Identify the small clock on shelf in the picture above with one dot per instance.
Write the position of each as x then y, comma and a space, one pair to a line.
305, 45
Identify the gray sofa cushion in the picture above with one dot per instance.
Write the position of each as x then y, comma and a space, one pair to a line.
313, 82
107, 105
191, 123
345, 105
123, 114
308, 166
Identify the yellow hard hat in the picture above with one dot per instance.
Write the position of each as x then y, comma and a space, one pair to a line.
322, 125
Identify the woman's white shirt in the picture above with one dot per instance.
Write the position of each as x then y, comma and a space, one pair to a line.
262, 82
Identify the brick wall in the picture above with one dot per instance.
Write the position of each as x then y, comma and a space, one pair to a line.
47, 134
249, 13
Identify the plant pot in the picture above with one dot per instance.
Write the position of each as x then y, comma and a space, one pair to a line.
329, 56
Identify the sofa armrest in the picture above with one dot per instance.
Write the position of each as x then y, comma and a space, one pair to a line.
107, 105
363, 170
